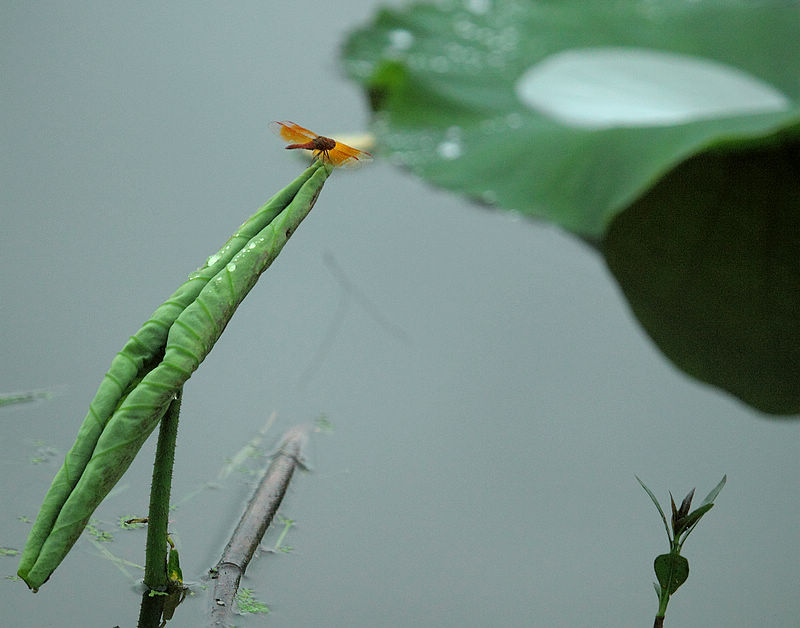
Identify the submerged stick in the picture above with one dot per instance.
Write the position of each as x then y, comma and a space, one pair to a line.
254, 523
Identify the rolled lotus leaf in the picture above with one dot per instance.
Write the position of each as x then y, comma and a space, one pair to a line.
152, 366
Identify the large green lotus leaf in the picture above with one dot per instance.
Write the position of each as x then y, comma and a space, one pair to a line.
571, 111
709, 260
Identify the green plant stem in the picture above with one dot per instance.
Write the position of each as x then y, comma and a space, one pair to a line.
662, 609
155, 566
663, 599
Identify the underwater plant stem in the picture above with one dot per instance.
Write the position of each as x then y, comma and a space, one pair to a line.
155, 566
287, 523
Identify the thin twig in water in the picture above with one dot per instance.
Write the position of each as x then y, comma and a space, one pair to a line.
349, 292
352, 290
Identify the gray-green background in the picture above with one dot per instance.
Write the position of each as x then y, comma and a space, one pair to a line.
492, 396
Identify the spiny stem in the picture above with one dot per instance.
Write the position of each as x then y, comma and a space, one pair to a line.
155, 567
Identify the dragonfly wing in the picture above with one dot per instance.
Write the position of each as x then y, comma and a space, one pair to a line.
344, 156
291, 132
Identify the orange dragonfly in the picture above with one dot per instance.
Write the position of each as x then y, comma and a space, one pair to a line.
324, 148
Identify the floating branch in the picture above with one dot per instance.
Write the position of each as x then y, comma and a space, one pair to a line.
254, 523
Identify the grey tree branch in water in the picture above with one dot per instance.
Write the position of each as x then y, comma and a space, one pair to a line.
254, 523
